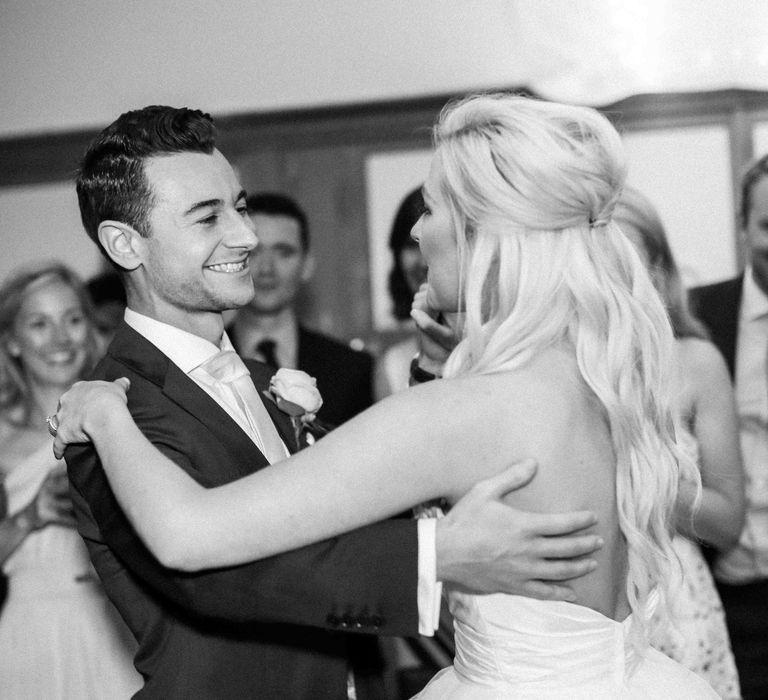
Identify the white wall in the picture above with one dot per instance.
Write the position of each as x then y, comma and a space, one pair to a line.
71, 64
66, 64
43, 223
80, 63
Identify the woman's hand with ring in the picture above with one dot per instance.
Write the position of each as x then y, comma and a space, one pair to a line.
53, 424
82, 406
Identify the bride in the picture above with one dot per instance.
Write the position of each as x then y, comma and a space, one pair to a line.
564, 354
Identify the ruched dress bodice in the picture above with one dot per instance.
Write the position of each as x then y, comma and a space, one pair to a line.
522, 648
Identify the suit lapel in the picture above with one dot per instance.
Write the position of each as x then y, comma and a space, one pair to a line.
282, 422
730, 321
134, 350
184, 392
718, 307
725, 326
260, 375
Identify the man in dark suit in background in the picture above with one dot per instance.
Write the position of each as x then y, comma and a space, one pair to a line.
166, 208
736, 314
268, 328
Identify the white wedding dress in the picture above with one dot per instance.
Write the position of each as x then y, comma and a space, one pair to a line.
527, 649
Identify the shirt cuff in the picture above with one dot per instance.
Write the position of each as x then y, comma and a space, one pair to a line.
429, 589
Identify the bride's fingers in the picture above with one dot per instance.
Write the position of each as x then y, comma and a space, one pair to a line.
59, 445
58, 448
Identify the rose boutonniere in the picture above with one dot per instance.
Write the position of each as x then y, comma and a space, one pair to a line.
296, 394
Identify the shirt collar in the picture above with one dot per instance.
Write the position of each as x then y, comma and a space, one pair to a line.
186, 350
754, 302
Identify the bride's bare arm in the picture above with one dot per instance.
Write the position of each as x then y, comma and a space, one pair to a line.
354, 476
366, 470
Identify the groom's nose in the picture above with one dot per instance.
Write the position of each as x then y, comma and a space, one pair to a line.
241, 233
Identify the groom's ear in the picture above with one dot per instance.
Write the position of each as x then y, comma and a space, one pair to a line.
122, 243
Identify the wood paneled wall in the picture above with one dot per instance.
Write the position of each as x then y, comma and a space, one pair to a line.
319, 156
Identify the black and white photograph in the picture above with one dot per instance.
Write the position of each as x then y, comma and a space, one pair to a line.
384, 351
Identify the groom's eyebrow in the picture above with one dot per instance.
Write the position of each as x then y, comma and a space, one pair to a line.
197, 206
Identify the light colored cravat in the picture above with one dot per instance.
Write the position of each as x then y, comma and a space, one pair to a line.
230, 379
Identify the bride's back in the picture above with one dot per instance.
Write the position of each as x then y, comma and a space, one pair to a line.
545, 410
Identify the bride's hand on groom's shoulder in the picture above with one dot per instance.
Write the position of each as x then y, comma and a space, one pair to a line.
486, 546
83, 408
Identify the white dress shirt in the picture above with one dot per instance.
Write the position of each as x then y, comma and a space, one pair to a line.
188, 351
748, 560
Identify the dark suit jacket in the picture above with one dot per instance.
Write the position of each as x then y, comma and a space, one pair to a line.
344, 376
717, 306
253, 631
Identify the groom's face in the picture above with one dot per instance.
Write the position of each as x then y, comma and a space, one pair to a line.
195, 259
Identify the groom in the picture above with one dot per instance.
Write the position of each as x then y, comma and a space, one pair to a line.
166, 208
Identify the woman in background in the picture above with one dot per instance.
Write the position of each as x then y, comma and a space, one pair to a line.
406, 277
60, 638
699, 638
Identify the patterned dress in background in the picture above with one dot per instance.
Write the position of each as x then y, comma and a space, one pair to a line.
699, 637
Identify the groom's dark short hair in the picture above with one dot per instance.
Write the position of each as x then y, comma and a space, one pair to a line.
111, 183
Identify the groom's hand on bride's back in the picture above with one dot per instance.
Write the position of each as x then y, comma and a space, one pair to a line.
486, 546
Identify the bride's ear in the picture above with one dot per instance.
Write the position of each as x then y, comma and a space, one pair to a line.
122, 243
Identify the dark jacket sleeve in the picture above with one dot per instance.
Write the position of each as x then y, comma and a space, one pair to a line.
363, 581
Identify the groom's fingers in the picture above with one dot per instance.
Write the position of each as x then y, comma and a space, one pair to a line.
514, 477
553, 524
561, 569
442, 335
566, 547
548, 591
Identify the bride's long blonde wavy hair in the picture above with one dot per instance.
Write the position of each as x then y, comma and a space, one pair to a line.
531, 187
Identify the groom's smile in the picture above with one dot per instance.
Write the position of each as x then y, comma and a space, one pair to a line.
195, 260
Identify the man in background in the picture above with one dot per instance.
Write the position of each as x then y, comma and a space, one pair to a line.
268, 328
108, 296
736, 314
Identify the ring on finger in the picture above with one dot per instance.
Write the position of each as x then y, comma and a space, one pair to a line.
53, 424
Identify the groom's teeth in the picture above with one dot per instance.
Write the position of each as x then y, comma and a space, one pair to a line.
228, 267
